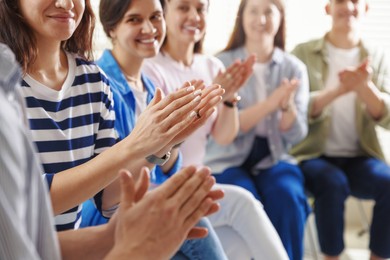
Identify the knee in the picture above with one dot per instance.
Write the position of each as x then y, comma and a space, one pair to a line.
329, 185
286, 195
242, 198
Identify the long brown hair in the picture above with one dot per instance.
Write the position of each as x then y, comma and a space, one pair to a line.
198, 47
238, 38
15, 32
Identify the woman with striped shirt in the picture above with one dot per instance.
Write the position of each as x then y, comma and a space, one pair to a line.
69, 106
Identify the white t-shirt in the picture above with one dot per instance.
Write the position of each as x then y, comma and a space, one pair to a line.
343, 140
140, 100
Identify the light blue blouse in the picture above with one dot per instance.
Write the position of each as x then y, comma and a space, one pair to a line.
282, 65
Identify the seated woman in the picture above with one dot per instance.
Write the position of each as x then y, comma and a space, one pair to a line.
246, 231
273, 107
136, 29
69, 107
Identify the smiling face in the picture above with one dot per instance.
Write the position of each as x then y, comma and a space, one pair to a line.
54, 20
186, 20
261, 20
140, 32
346, 14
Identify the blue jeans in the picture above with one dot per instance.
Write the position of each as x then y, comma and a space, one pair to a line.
206, 248
281, 190
331, 180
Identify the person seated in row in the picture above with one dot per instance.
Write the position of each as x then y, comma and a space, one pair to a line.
242, 225
342, 156
70, 111
26, 215
272, 116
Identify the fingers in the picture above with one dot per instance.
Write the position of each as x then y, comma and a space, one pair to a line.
213, 208
250, 61
174, 183
232, 70
179, 106
197, 232
127, 189
211, 96
364, 65
193, 82
157, 97
216, 194
142, 184
210, 101
198, 213
199, 193
197, 186
177, 100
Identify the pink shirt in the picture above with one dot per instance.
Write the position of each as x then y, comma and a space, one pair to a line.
169, 75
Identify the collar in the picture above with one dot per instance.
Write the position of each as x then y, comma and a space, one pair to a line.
112, 69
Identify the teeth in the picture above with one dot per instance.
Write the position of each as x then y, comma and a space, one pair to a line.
147, 41
192, 28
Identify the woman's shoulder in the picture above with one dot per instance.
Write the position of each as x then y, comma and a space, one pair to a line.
291, 60
231, 55
87, 72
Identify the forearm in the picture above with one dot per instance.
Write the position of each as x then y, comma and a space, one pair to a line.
251, 116
226, 126
323, 99
370, 96
87, 243
288, 118
119, 253
74, 186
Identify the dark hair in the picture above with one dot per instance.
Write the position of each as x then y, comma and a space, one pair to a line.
237, 38
111, 12
198, 47
16, 33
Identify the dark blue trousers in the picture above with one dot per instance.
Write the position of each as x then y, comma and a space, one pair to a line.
331, 180
281, 190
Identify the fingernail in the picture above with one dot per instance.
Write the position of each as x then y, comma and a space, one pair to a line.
198, 92
197, 98
193, 114
190, 88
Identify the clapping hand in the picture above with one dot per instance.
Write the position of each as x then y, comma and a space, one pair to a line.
234, 77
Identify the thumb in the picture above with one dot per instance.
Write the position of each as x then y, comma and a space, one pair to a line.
127, 189
364, 65
142, 184
158, 95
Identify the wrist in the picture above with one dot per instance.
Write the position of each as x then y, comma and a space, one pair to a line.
158, 159
286, 108
232, 102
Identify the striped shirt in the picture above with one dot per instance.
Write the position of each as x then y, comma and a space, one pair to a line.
70, 126
26, 218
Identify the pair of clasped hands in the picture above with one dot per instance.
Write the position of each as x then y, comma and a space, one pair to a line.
170, 211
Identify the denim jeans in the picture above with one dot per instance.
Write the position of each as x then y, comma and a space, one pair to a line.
199, 249
331, 180
205, 248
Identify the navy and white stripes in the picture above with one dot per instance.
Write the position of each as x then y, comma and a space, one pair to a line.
72, 125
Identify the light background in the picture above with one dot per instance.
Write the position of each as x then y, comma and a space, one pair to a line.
306, 19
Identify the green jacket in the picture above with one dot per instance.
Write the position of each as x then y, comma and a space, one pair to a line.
314, 55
